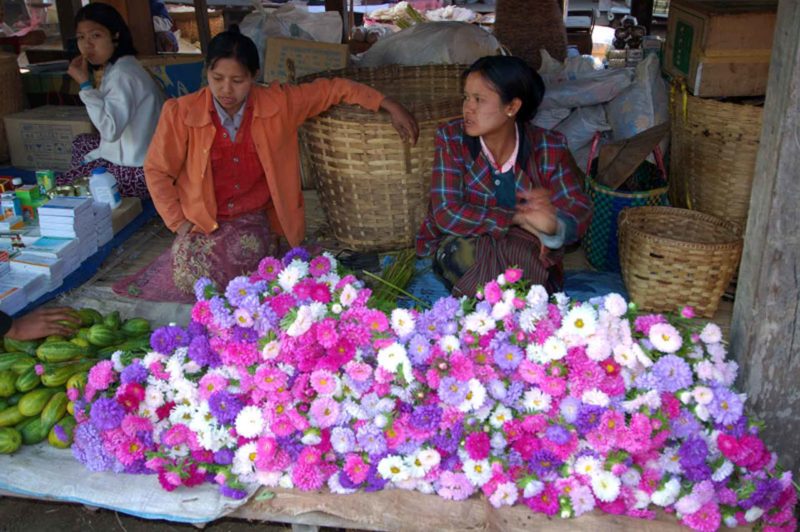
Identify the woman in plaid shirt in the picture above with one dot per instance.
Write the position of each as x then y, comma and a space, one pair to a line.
502, 192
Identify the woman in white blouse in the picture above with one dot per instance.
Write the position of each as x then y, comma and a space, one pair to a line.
124, 109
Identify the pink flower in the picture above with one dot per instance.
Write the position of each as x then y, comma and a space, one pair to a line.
39, 369
358, 371
210, 383
156, 368
319, 266
477, 445
531, 372
131, 425
687, 312
324, 382
101, 375
546, 502
307, 477
493, 292
454, 486
706, 519
355, 468
326, 333
324, 411
73, 394
201, 313
513, 275
269, 268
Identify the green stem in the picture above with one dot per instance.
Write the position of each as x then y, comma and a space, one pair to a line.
395, 287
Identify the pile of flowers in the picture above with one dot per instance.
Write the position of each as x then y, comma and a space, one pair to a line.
289, 378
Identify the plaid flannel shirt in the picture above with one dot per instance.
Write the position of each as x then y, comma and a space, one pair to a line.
463, 202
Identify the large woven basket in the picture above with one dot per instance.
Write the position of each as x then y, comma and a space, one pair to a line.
674, 257
186, 21
713, 160
374, 188
12, 99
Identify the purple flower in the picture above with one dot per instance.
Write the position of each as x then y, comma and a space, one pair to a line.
426, 417
497, 389
685, 425
514, 392
195, 328
766, 494
693, 452
238, 289
61, 434
204, 289
453, 391
672, 373
295, 253
224, 406
647, 381
223, 316
515, 458
557, 434
588, 418
446, 308
201, 353
167, 339
507, 356
106, 414
569, 408
544, 462
133, 373
244, 334
232, 493
374, 481
291, 445
738, 429
223, 457
418, 349
371, 439
726, 407
342, 440
88, 449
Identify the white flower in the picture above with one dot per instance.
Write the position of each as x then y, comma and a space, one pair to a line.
479, 322
716, 351
665, 337
687, 505
624, 356
244, 461
289, 277
554, 349
505, 494
533, 488
631, 477
703, 395
425, 487
642, 499
311, 437
336, 308
598, 348
669, 461
535, 400
499, 417
586, 465
723, 471
643, 359
595, 397
730, 521
393, 469
711, 334
605, 485
415, 467
268, 479
537, 299
249, 422
449, 343
478, 472
528, 319
501, 309
184, 391
318, 310
348, 295
562, 301
302, 323
271, 350
174, 367
615, 305
394, 357
685, 397
476, 396
286, 482
498, 441
753, 514
380, 420
501, 279
402, 322
151, 357
580, 321
701, 411
153, 397
535, 353
117, 361
429, 458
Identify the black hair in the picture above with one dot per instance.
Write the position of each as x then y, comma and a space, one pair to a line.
107, 16
512, 78
231, 44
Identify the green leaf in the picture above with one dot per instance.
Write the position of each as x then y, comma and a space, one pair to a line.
265, 495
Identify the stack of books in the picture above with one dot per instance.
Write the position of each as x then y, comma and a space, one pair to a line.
102, 223
5, 268
12, 298
66, 249
33, 285
52, 267
70, 217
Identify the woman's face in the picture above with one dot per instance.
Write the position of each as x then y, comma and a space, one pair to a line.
230, 83
484, 112
95, 42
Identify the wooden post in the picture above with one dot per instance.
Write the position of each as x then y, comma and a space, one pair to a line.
643, 11
140, 21
203, 28
66, 10
765, 330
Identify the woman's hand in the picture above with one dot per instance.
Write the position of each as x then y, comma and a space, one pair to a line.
79, 69
402, 120
184, 228
535, 212
43, 322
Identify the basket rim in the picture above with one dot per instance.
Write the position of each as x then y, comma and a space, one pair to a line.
611, 192
734, 238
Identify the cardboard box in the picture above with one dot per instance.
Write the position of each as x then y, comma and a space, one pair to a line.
42, 137
304, 57
129, 209
721, 48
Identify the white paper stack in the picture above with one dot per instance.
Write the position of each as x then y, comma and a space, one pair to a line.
102, 223
50, 266
66, 249
34, 285
12, 300
70, 217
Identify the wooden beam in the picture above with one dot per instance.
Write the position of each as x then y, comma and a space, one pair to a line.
140, 21
203, 28
765, 330
66, 10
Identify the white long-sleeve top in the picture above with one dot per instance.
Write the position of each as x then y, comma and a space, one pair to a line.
125, 111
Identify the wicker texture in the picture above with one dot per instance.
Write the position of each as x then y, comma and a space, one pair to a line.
12, 99
714, 148
373, 188
186, 21
526, 26
674, 257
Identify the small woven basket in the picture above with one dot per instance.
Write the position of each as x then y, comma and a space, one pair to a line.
674, 257
12, 99
186, 21
713, 159
374, 188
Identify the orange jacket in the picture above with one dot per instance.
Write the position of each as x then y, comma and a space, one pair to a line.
178, 170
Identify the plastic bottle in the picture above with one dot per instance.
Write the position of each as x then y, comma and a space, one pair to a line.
104, 187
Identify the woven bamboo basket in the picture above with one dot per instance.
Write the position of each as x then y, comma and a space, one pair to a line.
674, 257
12, 98
713, 160
374, 188
186, 21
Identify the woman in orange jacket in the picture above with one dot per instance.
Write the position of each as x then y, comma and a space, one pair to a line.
223, 166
